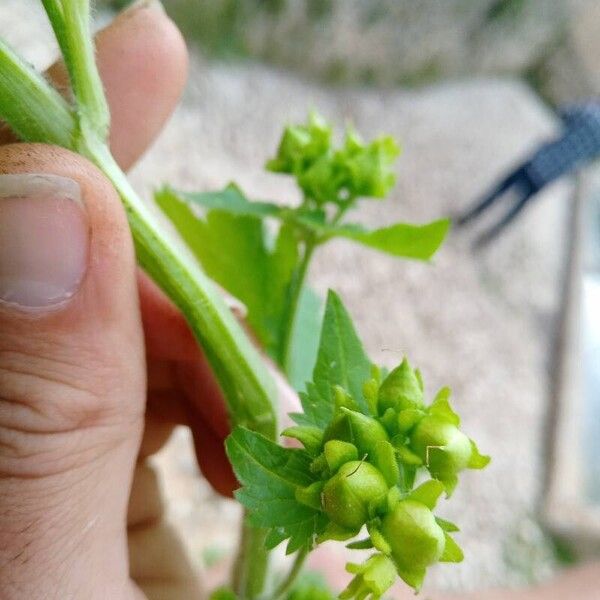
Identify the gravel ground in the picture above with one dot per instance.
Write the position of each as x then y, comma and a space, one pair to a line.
482, 322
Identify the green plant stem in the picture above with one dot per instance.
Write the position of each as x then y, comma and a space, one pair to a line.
35, 111
294, 303
70, 20
251, 566
286, 585
239, 368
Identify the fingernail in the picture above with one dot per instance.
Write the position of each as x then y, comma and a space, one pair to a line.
44, 240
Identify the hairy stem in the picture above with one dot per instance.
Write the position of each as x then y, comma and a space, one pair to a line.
35, 111
70, 20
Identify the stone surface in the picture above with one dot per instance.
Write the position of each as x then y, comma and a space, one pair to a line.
482, 322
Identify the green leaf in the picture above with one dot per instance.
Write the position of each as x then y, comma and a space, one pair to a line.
233, 249
419, 242
452, 551
341, 361
270, 475
304, 343
231, 200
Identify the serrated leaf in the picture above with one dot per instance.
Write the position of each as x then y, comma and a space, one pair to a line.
341, 360
452, 551
270, 475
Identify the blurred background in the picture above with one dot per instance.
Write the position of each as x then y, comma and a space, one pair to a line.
470, 88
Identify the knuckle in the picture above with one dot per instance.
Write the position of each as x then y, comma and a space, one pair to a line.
56, 412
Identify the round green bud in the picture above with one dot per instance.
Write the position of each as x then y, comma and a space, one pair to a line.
413, 534
400, 390
349, 494
361, 430
444, 449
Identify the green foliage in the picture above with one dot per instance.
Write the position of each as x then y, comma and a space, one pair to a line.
260, 251
365, 441
233, 249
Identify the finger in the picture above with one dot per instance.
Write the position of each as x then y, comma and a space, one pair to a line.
72, 377
143, 64
158, 562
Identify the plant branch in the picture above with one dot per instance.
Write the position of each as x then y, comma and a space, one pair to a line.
252, 562
70, 20
286, 585
35, 111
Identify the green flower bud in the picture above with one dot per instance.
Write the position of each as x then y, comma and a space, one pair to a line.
369, 167
400, 390
301, 145
338, 453
349, 496
358, 429
414, 536
372, 579
444, 449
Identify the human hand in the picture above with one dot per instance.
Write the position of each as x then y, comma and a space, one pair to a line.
96, 364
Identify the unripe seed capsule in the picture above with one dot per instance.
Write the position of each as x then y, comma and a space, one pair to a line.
358, 429
444, 449
413, 534
400, 390
348, 496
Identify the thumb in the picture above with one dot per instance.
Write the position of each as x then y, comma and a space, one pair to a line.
72, 378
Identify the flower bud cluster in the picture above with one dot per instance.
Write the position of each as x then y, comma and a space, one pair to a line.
335, 175
365, 464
